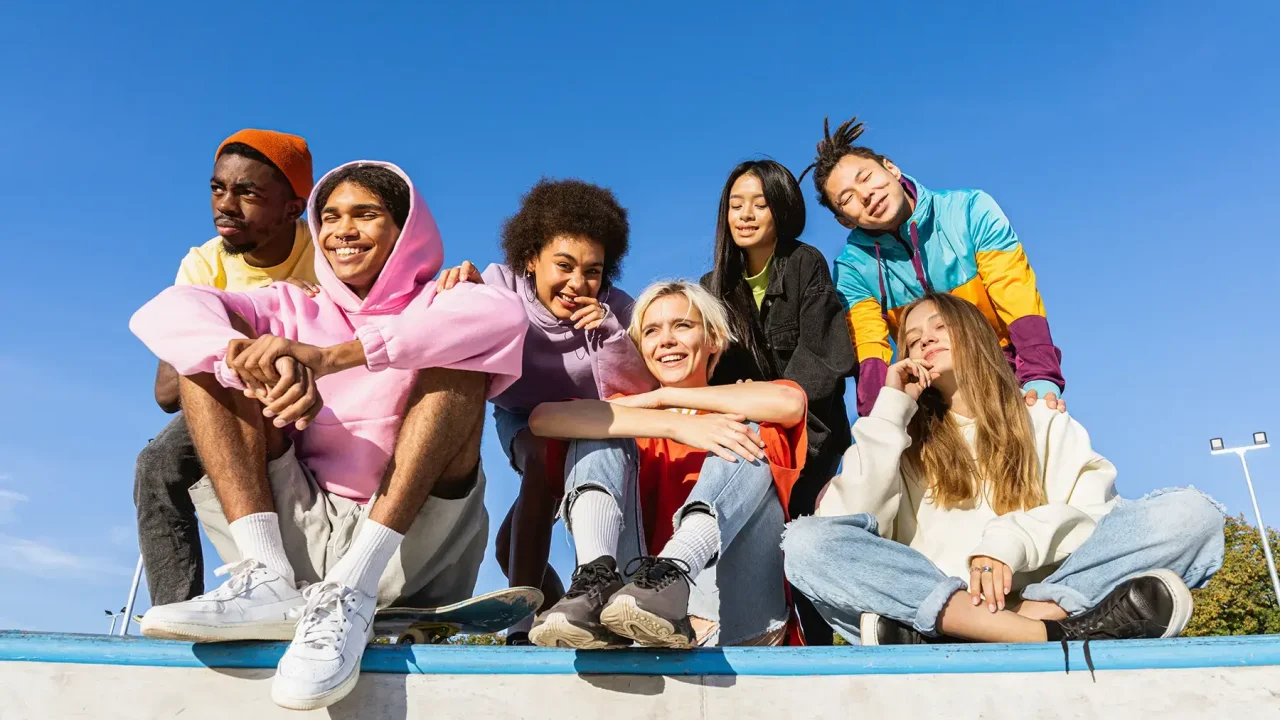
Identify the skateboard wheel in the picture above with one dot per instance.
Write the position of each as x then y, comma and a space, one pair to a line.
412, 637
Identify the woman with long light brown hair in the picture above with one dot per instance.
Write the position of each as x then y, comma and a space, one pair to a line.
962, 514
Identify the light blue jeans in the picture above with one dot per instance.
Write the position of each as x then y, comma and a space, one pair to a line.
742, 590
845, 567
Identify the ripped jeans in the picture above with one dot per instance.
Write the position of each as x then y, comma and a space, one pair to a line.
845, 567
742, 591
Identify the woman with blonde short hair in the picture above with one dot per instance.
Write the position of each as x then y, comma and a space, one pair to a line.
667, 484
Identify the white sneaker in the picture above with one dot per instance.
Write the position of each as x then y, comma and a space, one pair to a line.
322, 663
256, 603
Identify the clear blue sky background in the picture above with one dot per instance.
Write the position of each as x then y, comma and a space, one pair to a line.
1132, 144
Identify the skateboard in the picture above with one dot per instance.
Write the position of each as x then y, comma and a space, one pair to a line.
486, 613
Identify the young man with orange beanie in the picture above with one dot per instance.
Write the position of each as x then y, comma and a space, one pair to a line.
259, 188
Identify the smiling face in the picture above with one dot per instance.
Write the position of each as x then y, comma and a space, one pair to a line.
357, 235
675, 344
567, 267
252, 204
750, 218
867, 194
927, 338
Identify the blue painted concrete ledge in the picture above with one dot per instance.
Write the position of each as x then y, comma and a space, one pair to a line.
485, 660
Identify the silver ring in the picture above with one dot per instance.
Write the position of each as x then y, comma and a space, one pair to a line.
984, 569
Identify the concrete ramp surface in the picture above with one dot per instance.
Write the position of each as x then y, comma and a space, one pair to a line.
89, 676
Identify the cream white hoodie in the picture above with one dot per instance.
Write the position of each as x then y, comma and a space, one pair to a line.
1079, 486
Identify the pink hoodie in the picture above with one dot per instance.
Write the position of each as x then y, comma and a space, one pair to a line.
402, 325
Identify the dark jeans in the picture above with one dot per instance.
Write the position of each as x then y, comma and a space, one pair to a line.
168, 530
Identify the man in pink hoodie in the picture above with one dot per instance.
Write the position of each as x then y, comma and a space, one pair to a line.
340, 434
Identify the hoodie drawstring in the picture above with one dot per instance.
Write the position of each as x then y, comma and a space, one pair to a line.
917, 262
884, 297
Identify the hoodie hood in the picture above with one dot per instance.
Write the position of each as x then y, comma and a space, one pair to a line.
416, 258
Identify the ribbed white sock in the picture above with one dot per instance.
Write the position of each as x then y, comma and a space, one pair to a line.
362, 566
596, 521
695, 542
257, 536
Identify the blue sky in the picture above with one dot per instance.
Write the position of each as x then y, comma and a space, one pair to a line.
1133, 146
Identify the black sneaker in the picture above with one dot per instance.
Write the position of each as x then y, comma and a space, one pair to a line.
653, 609
879, 630
574, 622
517, 639
1155, 604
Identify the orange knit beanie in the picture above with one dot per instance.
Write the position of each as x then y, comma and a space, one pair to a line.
288, 152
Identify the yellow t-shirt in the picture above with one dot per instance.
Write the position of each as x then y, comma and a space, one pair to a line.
210, 265
759, 283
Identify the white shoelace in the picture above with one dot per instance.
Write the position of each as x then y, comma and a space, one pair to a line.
323, 619
240, 573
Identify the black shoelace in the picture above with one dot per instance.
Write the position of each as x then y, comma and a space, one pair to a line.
1115, 620
655, 573
590, 578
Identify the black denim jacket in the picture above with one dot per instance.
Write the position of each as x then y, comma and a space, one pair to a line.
805, 333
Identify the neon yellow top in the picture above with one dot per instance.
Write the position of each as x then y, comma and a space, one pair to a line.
759, 283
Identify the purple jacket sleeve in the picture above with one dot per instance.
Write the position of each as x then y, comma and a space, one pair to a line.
1037, 358
872, 373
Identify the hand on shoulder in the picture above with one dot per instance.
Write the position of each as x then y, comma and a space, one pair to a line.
466, 272
1051, 400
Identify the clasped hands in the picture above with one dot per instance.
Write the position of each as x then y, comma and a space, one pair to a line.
280, 373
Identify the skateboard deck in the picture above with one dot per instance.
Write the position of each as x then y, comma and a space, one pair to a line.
482, 614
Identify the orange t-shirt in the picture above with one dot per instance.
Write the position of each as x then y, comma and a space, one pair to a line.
669, 470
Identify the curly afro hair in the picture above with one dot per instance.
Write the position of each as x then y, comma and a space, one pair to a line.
566, 207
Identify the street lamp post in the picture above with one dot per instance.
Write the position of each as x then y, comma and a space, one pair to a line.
1259, 442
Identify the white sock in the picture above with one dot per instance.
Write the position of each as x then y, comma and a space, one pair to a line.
596, 521
257, 536
362, 566
695, 542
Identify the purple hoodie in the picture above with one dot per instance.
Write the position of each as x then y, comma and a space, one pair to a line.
402, 324
561, 363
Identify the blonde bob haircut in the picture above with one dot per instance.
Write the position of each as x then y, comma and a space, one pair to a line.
715, 319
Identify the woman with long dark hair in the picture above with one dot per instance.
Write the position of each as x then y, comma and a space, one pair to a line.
783, 310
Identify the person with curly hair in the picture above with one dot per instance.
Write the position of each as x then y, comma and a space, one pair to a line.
564, 250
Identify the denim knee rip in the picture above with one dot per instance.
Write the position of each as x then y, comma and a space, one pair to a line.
573, 495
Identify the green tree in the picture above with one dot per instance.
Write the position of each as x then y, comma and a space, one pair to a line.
492, 639
1239, 600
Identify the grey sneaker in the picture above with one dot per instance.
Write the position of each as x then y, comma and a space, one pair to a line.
574, 622
653, 609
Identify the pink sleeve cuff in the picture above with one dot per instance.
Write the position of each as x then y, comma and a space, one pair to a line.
375, 347
226, 377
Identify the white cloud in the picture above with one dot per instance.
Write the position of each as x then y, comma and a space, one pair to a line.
33, 557
9, 501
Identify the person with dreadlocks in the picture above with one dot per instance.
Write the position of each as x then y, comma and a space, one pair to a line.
564, 251
962, 513
906, 240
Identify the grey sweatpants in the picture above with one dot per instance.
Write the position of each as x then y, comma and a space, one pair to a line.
438, 560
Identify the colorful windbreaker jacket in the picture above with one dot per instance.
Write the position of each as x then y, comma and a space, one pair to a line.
959, 242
